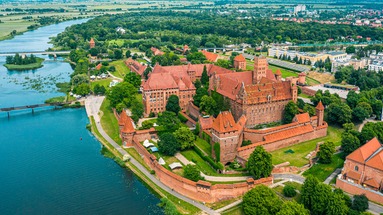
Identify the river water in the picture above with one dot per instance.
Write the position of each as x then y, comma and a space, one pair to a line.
49, 162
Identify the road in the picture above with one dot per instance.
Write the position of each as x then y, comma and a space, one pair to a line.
92, 105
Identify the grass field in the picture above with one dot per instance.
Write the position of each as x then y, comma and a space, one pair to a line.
321, 77
121, 68
237, 210
322, 171
285, 72
109, 122
301, 150
203, 145
103, 82
202, 165
31, 66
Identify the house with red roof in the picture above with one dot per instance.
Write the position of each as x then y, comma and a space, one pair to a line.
239, 62
210, 56
363, 171
92, 44
136, 67
156, 51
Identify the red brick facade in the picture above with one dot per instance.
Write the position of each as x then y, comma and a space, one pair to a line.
136, 67
239, 62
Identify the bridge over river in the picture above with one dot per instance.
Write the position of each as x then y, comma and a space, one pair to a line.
32, 107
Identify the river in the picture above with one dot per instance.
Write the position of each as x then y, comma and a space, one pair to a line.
49, 162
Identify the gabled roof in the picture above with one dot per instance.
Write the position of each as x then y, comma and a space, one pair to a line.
303, 117
127, 122
364, 152
291, 132
98, 67
212, 57
239, 58
225, 123
278, 72
135, 66
353, 175
206, 123
376, 160
372, 182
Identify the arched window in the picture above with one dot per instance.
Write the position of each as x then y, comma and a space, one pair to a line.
356, 168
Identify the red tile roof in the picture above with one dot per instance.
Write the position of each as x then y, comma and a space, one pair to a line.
364, 152
206, 123
291, 132
156, 51
98, 67
320, 106
225, 123
376, 161
353, 175
240, 58
303, 117
127, 122
372, 182
212, 57
278, 72
135, 66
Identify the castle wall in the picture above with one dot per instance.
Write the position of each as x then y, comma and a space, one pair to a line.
356, 189
228, 145
308, 91
264, 113
245, 152
192, 110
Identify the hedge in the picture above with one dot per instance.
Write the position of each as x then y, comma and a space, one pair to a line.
212, 163
182, 118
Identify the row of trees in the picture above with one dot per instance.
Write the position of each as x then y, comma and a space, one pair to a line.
365, 80
19, 60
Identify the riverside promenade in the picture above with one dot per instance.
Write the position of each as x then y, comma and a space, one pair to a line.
92, 106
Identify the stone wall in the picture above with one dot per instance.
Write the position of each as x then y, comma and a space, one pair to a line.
193, 110
356, 189
200, 191
245, 152
308, 91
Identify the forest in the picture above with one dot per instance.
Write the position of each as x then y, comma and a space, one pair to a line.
205, 29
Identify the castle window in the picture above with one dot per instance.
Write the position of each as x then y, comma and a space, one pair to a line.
356, 168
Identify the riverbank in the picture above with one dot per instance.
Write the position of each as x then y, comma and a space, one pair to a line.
30, 66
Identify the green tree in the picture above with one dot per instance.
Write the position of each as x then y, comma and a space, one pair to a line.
326, 151
289, 191
292, 208
133, 79
173, 104
137, 109
147, 124
128, 53
261, 200
259, 164
205, 77
336, 205
359, 114
79, 79
360, 203
321, 198
82, 89
99, 89
308, 192
339, 113
185, 137
191, 172
352, 98
169, 121
122, 92
118, 54
309, 109
168, 144
202, 91
197, 84
169, 207
350, 49
346, 198
208, 105
349, 143
291, 109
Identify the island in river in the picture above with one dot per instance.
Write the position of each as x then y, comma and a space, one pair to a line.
23, 62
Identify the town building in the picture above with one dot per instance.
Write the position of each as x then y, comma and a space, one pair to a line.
92, 44
376, 65
164, 81
312, 57
239, 62
363, 171
136, 67
260, 95
211, 57
156, 51
299, 8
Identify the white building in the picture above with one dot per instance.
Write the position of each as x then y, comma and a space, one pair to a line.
376, 66
299, 8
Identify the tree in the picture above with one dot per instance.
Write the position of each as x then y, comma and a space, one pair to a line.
169, 207
202, 91
117, 54
147, 124
208, 105
336, 205
197, 84
308, 191
292, 208
205, 77
137, 110
82, 89
289, 191
346, 198
133, 79
360, 203
300, 103
99, 89
191, 172
352, 99
259, 164
173, 104
291, 109
169, 121
349, 143
122, 92
79, 79
128, 53
185, 137
339, 113
261, 200
321, 198
326, 151
168, 144
309, 109
350, 49
359, 114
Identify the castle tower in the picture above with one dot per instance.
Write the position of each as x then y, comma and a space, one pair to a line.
260, 67
320, 113
294, 92
302, 78
92, 44
278, 75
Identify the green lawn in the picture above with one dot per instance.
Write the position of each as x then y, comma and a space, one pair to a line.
296, 154
237, 210
322, 171
202, 165
296, 185
103, 82
304, 96
285, 72
30, 66
311, 81
203, 145
121, 68
109, 122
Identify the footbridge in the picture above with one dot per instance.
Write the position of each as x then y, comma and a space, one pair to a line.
54, 53
32, 107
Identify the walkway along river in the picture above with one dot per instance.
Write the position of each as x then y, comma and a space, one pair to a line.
49, 162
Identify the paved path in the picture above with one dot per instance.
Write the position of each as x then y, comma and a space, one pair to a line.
333, 175
182, 159
292, 177
115, 77
140, 121
365, 122
306, 100
92, 105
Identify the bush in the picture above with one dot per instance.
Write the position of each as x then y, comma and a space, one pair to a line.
208, 159
192, 173
217, 151
168, 206
360, 203
182, 118
289, 191
151, 115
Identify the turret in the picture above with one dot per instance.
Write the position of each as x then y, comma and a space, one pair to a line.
294, 92
278, 75
320, 113
260, 67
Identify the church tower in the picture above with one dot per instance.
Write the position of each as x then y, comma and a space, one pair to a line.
260, 67
320, 113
